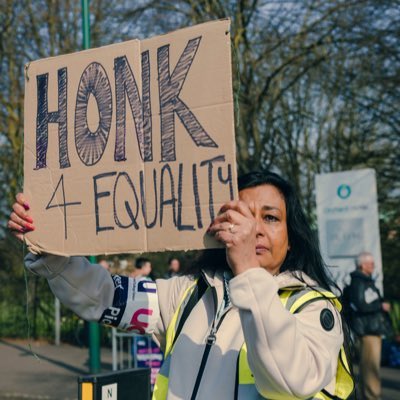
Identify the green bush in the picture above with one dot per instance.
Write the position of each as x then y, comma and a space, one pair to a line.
395, 317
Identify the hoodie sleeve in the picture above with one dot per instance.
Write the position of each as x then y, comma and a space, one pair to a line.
139, 306
87, 289
287, 353
95, 295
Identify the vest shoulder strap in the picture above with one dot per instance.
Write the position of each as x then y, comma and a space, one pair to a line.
197, 293
294, 299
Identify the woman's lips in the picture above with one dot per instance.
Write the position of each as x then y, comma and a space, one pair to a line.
261, 249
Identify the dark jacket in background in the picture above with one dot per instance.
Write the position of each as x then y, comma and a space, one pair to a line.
364, 302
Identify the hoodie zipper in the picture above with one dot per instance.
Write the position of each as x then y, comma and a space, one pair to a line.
211, 338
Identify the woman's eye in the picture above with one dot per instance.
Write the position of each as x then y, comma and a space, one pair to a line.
270, 218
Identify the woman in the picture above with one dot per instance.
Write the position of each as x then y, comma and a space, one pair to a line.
258, 323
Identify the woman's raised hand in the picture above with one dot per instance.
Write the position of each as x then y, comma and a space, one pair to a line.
235, 226
20, 222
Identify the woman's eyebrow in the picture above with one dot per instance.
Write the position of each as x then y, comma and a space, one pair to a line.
269, 208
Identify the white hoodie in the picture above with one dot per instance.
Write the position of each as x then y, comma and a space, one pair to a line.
290, 355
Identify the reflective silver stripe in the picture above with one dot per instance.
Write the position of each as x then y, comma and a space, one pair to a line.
295, 296
164, 370
300, 293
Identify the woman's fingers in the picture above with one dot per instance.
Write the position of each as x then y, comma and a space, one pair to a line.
20, 211
225, 237
229, 215
25, 224
230, 228
232, 217
21, 217
21, 199
15, 226
234, 212
222, 226
20, 222
16, 230
239, 206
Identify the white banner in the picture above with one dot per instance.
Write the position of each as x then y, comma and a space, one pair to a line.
348, 223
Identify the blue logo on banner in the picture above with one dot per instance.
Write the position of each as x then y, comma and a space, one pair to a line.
344, 191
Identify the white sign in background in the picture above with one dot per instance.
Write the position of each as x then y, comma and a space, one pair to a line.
348, 222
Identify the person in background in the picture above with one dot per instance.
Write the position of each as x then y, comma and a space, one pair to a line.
366, 320
142, 268
174, 266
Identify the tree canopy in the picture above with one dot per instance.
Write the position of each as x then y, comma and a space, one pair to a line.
316, 88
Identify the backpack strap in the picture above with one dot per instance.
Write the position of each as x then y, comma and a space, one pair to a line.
197, 293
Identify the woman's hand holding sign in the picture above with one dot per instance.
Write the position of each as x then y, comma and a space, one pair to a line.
20, 222
235, 226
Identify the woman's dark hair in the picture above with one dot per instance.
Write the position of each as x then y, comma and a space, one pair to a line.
304, 254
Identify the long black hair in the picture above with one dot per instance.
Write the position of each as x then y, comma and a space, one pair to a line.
304, 254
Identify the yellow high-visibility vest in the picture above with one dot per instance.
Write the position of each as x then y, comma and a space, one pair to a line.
293, 299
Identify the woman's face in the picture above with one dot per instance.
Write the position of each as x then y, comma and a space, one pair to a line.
268, 206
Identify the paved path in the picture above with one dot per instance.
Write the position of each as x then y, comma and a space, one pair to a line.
45, 372
391, 384
53, 374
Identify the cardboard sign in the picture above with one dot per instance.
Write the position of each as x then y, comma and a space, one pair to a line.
348, 221
130, 147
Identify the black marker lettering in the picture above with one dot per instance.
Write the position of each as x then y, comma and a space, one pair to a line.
97, 196
163, 185
64, 204
210, 185
180, 226
125, 85
196, 196
143, 199
90, 146
44, 118
127, 206
170, 86
228, 179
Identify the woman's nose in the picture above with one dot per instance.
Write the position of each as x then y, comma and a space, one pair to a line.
259, 226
